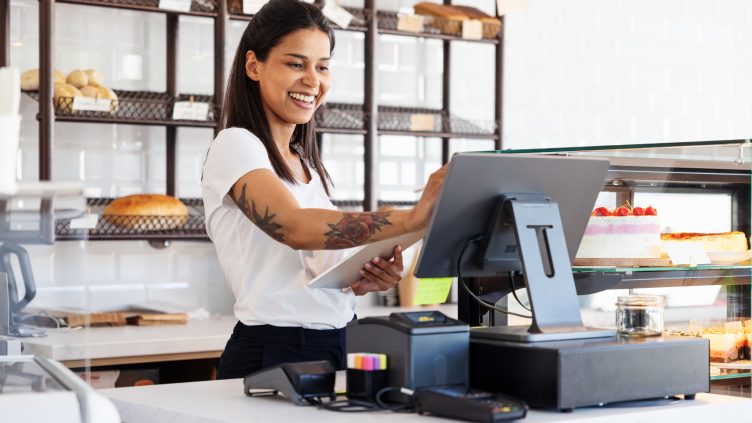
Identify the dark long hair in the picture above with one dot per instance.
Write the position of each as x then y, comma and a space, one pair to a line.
243, 107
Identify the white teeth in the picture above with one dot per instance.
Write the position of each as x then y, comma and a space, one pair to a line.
302, 97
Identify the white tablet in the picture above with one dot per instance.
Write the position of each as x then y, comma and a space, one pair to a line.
347, 272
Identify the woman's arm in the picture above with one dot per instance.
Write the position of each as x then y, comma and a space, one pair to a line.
264, 199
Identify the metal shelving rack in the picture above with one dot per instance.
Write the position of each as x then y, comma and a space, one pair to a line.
151, 108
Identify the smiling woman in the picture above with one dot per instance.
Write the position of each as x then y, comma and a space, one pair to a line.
266, 200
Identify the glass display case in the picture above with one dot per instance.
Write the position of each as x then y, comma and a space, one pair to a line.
674, 220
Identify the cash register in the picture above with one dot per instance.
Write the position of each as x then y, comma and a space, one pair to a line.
502, 213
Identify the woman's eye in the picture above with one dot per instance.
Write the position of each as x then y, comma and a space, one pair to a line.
295, 65
323, 68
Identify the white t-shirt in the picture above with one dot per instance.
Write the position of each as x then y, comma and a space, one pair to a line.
269, 279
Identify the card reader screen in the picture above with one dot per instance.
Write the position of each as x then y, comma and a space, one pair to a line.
424, 318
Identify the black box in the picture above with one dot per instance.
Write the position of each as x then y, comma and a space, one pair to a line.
578, 373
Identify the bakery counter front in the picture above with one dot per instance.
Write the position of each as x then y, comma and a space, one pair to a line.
224, 401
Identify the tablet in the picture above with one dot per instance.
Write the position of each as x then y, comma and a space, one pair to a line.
347, 272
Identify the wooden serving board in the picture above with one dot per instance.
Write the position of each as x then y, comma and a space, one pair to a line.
623, 262
155, 319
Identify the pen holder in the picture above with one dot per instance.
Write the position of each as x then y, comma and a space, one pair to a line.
365, 384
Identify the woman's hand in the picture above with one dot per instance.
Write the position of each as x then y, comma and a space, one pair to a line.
380, 274
421, 213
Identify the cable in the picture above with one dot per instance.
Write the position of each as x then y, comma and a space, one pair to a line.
400, 407
514, 291
471, 293
351, 405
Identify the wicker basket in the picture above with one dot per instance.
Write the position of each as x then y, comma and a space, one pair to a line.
448, 26
491, 28
444, 25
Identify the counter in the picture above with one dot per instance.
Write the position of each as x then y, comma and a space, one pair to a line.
224, 401
104, 346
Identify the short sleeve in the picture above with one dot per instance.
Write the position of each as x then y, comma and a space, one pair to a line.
235, 152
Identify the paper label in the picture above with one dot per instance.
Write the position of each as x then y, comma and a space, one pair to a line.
432, 290
686, 253
91, 104
422, 122
190, 110
87, 222
472, 29
504, 6
251, 7
177, 5
410, 23
337, 14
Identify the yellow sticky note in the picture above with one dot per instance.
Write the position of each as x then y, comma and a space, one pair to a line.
432, 290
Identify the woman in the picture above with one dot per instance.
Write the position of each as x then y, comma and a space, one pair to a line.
266, 200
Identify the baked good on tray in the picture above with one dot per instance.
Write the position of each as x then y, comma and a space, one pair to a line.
726, 241
146, 212
622, 233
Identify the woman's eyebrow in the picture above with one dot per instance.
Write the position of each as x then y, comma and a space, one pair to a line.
304, 57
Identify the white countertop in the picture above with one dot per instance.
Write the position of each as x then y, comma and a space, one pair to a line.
224, 401
121, 341
132, 341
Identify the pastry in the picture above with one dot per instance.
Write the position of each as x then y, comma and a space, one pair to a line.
77, 78
622, 233
726, 241
146, 212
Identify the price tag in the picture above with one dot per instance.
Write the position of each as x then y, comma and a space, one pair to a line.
91, 104
686, 253
177, 5
190, 110
432, 291
505, 6
410, 23
87, 222
422, 122
337, 14
472, 29
251, 7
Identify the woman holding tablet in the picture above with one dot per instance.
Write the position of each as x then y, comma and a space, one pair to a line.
266, 200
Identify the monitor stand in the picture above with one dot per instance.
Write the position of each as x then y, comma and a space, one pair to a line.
545, 267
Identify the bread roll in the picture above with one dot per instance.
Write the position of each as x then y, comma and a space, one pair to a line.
30, 79
94, 77
64, 94
90, 91
77, 78
146, 212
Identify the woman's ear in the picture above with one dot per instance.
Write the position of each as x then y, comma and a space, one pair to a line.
252, 65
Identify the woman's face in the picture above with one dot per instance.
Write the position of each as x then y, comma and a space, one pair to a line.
294, 79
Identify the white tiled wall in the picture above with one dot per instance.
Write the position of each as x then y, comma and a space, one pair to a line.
576, 72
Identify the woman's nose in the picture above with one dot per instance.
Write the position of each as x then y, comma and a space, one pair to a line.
311, 78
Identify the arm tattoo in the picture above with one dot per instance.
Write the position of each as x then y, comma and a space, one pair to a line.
264, 223
355, 229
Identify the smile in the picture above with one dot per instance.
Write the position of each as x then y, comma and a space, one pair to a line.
302, 97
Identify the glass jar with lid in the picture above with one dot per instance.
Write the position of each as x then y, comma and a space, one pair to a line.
639, 315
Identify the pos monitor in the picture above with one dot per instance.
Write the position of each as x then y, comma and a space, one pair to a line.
499, 213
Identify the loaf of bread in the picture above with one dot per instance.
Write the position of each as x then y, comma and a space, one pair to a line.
30, 79
439, 10
474, 13
146, 212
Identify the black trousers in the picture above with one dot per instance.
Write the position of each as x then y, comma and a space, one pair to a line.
253, 348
